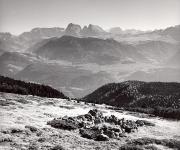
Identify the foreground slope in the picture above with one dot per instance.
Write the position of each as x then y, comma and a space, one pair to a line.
24, 126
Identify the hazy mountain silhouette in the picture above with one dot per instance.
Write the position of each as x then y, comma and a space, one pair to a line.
91, 54
86, 50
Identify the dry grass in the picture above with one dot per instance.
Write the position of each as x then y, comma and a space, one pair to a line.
24, 126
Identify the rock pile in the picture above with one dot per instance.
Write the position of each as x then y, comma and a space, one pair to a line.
94, 125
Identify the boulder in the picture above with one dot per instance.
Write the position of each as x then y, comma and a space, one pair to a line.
58, 147
102, 137
89, 133
122, 135
112, 119
95, 113
31, 128
81, 118
42, 139
5, 138
129, 126
144, 122
89, 117
98, 120
110, 133
16, 130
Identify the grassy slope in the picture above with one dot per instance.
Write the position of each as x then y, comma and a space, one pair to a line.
18, 111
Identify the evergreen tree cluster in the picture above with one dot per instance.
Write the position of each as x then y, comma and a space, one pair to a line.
20, 87
159, 98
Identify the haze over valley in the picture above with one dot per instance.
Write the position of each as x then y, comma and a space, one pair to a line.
80, 59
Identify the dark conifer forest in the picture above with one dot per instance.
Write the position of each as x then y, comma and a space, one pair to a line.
26, 88
158, 98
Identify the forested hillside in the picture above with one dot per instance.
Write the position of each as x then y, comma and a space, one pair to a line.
159, 98
20, 87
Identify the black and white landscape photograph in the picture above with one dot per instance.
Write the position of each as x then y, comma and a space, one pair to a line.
89, 74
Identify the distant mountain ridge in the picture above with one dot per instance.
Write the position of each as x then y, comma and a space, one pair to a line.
85, 50
103, 51
25, 40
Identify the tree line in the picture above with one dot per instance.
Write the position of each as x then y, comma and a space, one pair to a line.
26, 88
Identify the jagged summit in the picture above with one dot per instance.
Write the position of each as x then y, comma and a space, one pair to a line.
87, 31
73, 29
92, 30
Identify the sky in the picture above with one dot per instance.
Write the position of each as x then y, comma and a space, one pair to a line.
17, 16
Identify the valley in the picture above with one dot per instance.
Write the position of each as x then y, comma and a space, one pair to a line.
89, 75
78, 61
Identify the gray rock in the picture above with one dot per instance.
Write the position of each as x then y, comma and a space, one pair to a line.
95, 113
102, 137
144, 122
58, 147
31, 128
16, 130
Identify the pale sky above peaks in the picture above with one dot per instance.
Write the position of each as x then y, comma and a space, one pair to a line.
17, 16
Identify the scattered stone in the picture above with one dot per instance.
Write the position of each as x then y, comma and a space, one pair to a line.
31, 128
89, 117
98, 120
5, 138
16, 130
6, 103
129, 147
144, 122
110, 133
89, 133
33, 146
112, 119
58, 147
122, 135
129, 126
94, 125
95, 113
41, 139
47, 103
23, 101
102, 137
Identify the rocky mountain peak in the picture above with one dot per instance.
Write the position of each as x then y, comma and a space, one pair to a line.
73, 29
92, 30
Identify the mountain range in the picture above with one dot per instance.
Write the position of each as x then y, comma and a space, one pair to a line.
25, 40
79, 60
